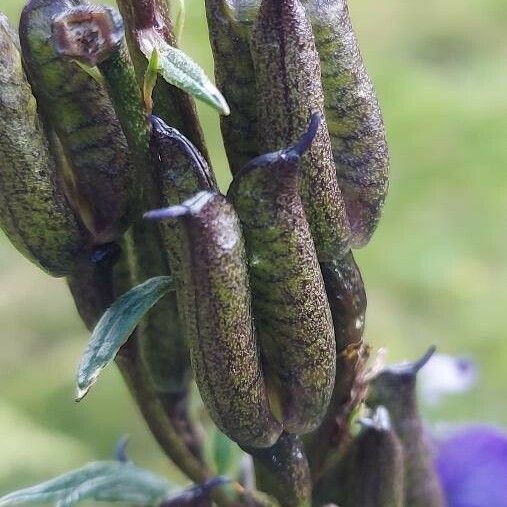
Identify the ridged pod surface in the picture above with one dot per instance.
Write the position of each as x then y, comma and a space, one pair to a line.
81, 113
230, 24
223, 347
289, 91
353, 117
34, 211
292, 315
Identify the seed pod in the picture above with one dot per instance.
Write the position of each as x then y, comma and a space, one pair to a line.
289, 91
182, 172
34, 212
230, 25
347, 300
395, 388
291, 311
79, 110
95, 36
353, 117
223, 348
157, 249
371, 473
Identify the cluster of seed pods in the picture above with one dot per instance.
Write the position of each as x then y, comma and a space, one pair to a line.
269, 307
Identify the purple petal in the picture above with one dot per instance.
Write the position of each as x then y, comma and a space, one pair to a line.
472, 466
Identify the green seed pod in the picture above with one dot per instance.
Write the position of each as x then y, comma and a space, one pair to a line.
371, 473
34, 212
347, 300
353, 117
182, 172
230, 24
395, 388
291, 311
157, 249
223, 349
289, 91
80, 111
95, 36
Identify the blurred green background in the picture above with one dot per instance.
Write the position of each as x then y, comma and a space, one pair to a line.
435, 271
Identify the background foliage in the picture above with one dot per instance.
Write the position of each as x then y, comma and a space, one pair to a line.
435, 271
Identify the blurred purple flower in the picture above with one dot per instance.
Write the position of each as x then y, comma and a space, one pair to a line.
472, 466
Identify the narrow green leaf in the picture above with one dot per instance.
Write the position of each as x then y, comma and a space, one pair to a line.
115, 327
150, 80
55, 489
180, 70
93, 72
109, 481
127, 484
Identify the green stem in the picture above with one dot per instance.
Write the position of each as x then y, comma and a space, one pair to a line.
127, 99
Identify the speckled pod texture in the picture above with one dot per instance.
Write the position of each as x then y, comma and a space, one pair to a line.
34, 212
230, 25
353, 117
80, 111
289, 91
223, 347
181, 172
292, 314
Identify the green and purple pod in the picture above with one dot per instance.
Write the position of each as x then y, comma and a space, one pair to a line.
180, 172
292, 314
395, 389
289, 91
353, 115
35, 213
347, 299
370, 473
230, 25
223, 346
78, 108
